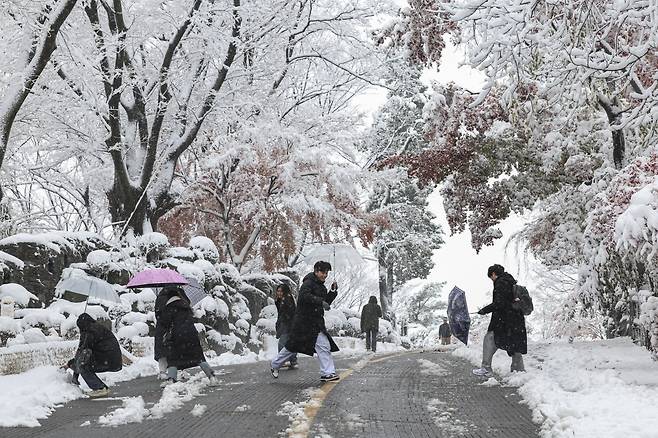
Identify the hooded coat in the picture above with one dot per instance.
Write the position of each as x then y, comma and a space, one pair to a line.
309, 316
160, 304
180, 344
286, 314
98, 349
507, 323
370, 315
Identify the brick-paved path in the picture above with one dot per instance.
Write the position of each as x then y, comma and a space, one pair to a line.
408, 394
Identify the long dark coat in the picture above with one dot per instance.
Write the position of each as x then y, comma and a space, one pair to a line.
181, 344
444, 330
104, 347
370, 315
309, 316
507, 323
160, 303
286, 314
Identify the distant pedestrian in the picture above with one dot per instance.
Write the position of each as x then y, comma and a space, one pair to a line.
285, 306
370, 315
444, 332
309, 334
98, 351
507, 329
180, 341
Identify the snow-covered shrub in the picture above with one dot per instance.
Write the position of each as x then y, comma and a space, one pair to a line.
204, 248
153, 246
20, 295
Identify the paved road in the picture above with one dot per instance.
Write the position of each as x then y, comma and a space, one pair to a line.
407, 394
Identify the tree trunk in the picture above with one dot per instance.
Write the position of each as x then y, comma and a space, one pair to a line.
385, 288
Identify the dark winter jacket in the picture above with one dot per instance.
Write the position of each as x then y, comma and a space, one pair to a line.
180, 343
370, 315
160, 304
507, 323
444, 330
309, 316
98, 349
286, 313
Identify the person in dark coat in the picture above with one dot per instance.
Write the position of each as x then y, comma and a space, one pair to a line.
160, 303
444, 332
507, 329
285, 306
370, 315
98, 351
180, 343
309, 334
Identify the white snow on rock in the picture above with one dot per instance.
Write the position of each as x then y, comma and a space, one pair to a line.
8, 258
20, 295
34, 336
586, 389
132, 411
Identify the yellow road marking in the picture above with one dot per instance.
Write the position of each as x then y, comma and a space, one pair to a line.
315, 403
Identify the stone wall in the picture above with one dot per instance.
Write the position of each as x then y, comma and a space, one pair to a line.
20, 358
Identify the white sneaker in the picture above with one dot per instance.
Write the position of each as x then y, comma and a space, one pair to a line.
103, 392
482, 372
213, 381
275, 373
162, 376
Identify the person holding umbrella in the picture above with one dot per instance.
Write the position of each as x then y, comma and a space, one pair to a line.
309, 334
98, 351
507, 327
180, 341
285, 306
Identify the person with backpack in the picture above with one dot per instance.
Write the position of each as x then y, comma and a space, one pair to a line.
370, 315
507, 329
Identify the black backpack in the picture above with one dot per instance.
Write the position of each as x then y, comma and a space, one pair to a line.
522, 301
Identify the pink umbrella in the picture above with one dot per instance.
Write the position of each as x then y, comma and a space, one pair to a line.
156, 278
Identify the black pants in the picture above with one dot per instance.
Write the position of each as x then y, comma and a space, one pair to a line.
93, 381
371, 339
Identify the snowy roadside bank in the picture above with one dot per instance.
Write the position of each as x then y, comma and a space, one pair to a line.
597, 389
33, 395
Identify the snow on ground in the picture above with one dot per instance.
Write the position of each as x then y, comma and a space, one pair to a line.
297, 413
132, 411
198, 410
594, 389
447, 418
430, 368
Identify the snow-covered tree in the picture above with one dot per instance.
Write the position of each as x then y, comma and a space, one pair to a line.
423, 305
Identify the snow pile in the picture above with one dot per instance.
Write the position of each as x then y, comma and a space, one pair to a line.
585, 390
198, 410
132, 411
297, 413
430, 368
31, 396
20, 295
446, 418
204, 248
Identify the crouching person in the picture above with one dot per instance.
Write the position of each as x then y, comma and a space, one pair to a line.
97, 352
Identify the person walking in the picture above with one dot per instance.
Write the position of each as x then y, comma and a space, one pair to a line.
98, 351
180, 343
370, 315
507, 329
444, 332
285, 306
309, 334
158, 335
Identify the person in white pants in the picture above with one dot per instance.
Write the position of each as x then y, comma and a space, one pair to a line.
309, 334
